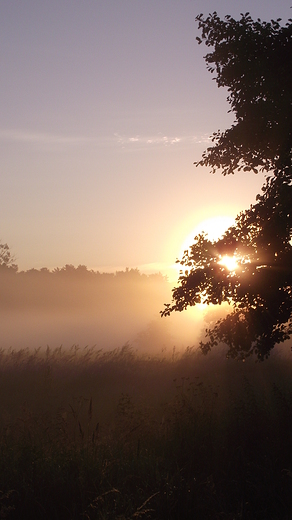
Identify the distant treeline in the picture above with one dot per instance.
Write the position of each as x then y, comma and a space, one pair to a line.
75, 287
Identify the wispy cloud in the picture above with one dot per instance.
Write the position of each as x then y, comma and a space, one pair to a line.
142, 141
160, 140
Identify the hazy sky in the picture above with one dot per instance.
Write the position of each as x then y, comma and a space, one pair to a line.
105, 105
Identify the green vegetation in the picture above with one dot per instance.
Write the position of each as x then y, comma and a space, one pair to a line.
93, 435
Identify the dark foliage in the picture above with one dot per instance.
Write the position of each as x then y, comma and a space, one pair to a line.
252, 60
67, 287
92, 435
6, 259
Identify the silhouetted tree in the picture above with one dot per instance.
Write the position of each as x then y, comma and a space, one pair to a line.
6, 259
253, 60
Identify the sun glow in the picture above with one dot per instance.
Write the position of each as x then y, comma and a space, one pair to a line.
230, 262
214, 227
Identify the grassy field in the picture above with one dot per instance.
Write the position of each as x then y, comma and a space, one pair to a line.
87, 434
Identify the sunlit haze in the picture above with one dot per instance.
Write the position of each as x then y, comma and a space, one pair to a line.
105, 106
128, 382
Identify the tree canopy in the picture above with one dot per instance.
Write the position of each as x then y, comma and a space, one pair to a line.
6, 259
253, 60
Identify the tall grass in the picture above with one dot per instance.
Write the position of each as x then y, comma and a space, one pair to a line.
89, 434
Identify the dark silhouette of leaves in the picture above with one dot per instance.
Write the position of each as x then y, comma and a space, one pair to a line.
6, 259
252, 59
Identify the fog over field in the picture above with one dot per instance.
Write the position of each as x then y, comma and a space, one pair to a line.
75, 306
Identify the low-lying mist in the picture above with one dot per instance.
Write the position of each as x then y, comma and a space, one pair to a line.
75, 306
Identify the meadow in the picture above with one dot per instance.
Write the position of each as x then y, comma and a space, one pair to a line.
93, 434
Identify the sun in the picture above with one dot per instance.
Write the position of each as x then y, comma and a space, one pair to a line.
230, 262
215, 227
